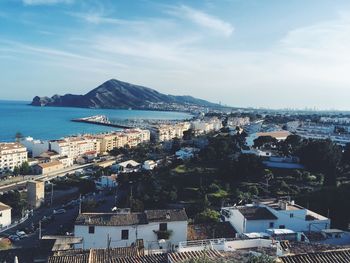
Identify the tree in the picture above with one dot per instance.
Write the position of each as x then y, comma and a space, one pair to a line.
208, 216
25, 168
322, 156
264, 141
18, 136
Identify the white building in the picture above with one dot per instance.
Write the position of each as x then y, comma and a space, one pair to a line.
186, 153
157, 228
35, 147
127, 167
12, 155
106, 182
269, 214
149, 165
5, 215
168, 132
75, 146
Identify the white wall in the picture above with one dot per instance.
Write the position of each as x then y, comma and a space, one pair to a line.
5, 218
145, 232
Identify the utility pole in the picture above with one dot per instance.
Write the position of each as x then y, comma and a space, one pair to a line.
39, 229
51, 194
79, 204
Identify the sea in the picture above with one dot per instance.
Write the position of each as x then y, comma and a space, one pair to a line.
46, 123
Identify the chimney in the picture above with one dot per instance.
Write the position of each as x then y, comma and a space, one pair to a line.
167, 216
282, 205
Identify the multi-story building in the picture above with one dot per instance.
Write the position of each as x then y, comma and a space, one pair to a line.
12, 155
35, 193
75, 146
5, 215
205, 126
168, 132
238, 121
35, 147
272, 214
137, 136
123, 228
111, 141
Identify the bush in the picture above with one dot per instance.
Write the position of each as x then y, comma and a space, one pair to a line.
208, 216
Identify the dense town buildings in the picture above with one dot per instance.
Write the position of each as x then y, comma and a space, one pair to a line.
12, 155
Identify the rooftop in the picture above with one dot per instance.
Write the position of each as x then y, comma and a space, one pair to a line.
275, 134
4, 207
330, 256
5, 146
126, 219
49, 164
256, 213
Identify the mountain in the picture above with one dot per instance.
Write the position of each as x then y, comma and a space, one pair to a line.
118, 94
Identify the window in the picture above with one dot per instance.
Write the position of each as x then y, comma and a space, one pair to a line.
291, 215
271, 225
125, 234
163, 227
91, 229
282, 227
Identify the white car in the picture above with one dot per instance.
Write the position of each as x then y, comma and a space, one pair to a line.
59, 211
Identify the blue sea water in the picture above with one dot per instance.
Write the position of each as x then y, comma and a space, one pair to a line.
55, 122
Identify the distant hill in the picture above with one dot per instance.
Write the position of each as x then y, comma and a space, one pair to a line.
118, 94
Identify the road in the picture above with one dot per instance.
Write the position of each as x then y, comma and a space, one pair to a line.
46, 177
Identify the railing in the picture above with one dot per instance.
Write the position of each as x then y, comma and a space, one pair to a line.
14, 224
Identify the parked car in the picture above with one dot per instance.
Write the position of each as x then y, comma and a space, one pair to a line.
59, 211
21, 234
14, 238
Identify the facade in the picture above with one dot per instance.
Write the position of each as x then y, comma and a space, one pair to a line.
270, 214
186, 153
157, 228
238, 121
111, 141
49, 167
5, 215
75, 146
149, 165
168, 132
127, 167
35, 193
137, 136
106, 182
35, 147
12, 155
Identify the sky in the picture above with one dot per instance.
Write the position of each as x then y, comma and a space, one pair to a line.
244, 53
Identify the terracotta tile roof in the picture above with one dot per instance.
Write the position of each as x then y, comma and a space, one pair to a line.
331, 256
127, 219
4, 207
111, 219
166, 215
49, 164
104, 255
82, 258
256, 213
185, 256
153, 258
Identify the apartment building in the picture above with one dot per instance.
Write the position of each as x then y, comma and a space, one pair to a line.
168, 132
137, 136
111, 141
76, 146
35, 147
11, 155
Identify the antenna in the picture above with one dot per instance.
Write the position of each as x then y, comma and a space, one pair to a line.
109, 240
79, 204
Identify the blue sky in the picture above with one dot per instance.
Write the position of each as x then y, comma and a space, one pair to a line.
258, 53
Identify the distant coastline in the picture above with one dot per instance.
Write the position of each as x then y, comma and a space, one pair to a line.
55, 122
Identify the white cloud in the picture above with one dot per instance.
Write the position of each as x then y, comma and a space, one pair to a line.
203, 19
46, 2
99, 18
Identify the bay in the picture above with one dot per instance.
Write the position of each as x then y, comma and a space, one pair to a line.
48, 123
